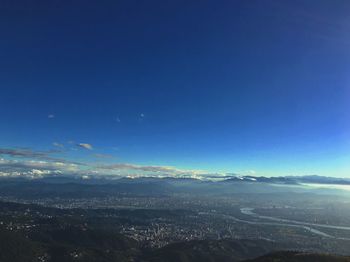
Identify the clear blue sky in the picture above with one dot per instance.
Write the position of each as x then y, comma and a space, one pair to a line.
258, 87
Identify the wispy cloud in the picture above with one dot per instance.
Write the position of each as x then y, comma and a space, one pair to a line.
165, 170
51, 116
35, 168
35, 155
24, 161
85, 146
19, 164
58, 145
252, 172
98, 155
24, 153
141, 117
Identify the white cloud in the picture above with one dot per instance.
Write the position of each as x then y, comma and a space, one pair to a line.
34, 168
40, 163
85, 146
153, 170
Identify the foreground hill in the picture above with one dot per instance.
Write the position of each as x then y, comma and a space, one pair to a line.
293, 256
15, 248
76, 244
92, 246
66, 245
228, 250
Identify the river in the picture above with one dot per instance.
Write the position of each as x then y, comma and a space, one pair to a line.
290, 223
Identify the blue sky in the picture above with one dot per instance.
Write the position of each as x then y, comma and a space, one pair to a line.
250, 87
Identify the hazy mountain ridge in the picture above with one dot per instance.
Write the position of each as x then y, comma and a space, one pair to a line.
72, 186
93, 179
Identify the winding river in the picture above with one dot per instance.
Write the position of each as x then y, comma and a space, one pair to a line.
289, 223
